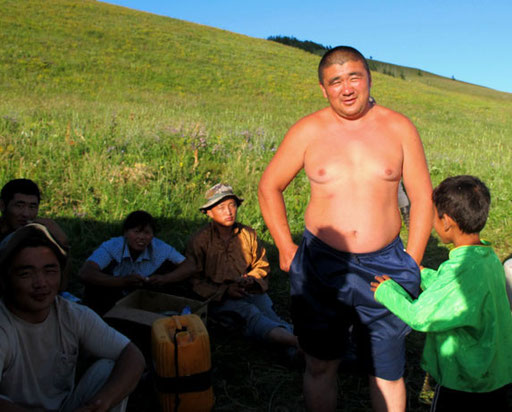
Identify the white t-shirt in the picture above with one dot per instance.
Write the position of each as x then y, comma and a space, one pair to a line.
38, 361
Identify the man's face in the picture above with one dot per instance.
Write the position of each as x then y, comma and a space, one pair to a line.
347, 87
22, 209
33, 281
139, 238
224, 213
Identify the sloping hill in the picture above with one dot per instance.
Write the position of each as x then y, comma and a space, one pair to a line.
112, 110
86, 46
394, 70
99, 101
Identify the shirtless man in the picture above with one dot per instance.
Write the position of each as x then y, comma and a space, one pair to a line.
354, 153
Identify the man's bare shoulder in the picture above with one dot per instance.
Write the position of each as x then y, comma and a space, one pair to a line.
389, 115
393, 120
308, 126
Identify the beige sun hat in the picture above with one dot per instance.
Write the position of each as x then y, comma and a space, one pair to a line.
217, 194
29, 232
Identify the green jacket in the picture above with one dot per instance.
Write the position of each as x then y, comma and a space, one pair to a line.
465, 311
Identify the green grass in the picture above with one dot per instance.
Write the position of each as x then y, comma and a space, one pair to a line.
112, 110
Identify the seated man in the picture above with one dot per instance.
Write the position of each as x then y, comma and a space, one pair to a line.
231, 270
42, 335
19, 204
124, 263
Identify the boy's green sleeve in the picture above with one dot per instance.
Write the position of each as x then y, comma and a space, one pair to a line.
437, 309
427, 277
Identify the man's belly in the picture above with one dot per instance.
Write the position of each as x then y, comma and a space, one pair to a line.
356, 228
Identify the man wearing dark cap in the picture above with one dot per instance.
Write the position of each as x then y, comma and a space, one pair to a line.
42, 336
231, 270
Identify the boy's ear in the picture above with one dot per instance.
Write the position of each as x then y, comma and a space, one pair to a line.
209, 213
448, 222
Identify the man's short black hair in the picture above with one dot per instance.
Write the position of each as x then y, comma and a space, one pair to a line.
466, 199
340, 55
23, 186
139, 218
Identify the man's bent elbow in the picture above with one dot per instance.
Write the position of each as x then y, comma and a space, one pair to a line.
82, 273
133, 359
262, 187
267, 187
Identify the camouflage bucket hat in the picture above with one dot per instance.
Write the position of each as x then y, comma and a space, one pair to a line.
217, 194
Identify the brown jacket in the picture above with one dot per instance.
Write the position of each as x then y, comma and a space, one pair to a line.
219, 263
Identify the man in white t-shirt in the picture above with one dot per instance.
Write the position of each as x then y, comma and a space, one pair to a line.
42, 335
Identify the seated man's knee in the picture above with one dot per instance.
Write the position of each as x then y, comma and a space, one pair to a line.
318, 367
99, 371
89, 384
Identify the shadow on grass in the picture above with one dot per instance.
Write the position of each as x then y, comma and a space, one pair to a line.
434, 254
247, 375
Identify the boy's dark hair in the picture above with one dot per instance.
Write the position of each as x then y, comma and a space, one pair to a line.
139, 218
23, 186
340, 55
466, 199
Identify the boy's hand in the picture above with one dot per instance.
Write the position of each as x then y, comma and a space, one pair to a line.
236, 291
246, 281
379, 279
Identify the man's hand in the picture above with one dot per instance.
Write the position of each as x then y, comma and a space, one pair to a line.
134, 280
96, 406
379, 279
157, 280
286, 257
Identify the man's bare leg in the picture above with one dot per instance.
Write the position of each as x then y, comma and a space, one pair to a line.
320, 384
282, 336
387, 396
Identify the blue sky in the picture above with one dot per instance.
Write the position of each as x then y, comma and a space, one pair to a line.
470, 40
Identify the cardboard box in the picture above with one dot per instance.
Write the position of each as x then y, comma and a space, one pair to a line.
144, 307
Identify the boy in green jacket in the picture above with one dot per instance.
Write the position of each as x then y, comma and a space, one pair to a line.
463, 307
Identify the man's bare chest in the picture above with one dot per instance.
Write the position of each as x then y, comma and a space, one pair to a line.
331, 158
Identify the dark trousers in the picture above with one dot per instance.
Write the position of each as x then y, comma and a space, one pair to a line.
450, 400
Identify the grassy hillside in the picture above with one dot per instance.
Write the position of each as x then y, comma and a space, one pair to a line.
104, 91
100, 101
112, 110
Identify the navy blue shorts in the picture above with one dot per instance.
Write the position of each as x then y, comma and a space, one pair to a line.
330, 295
